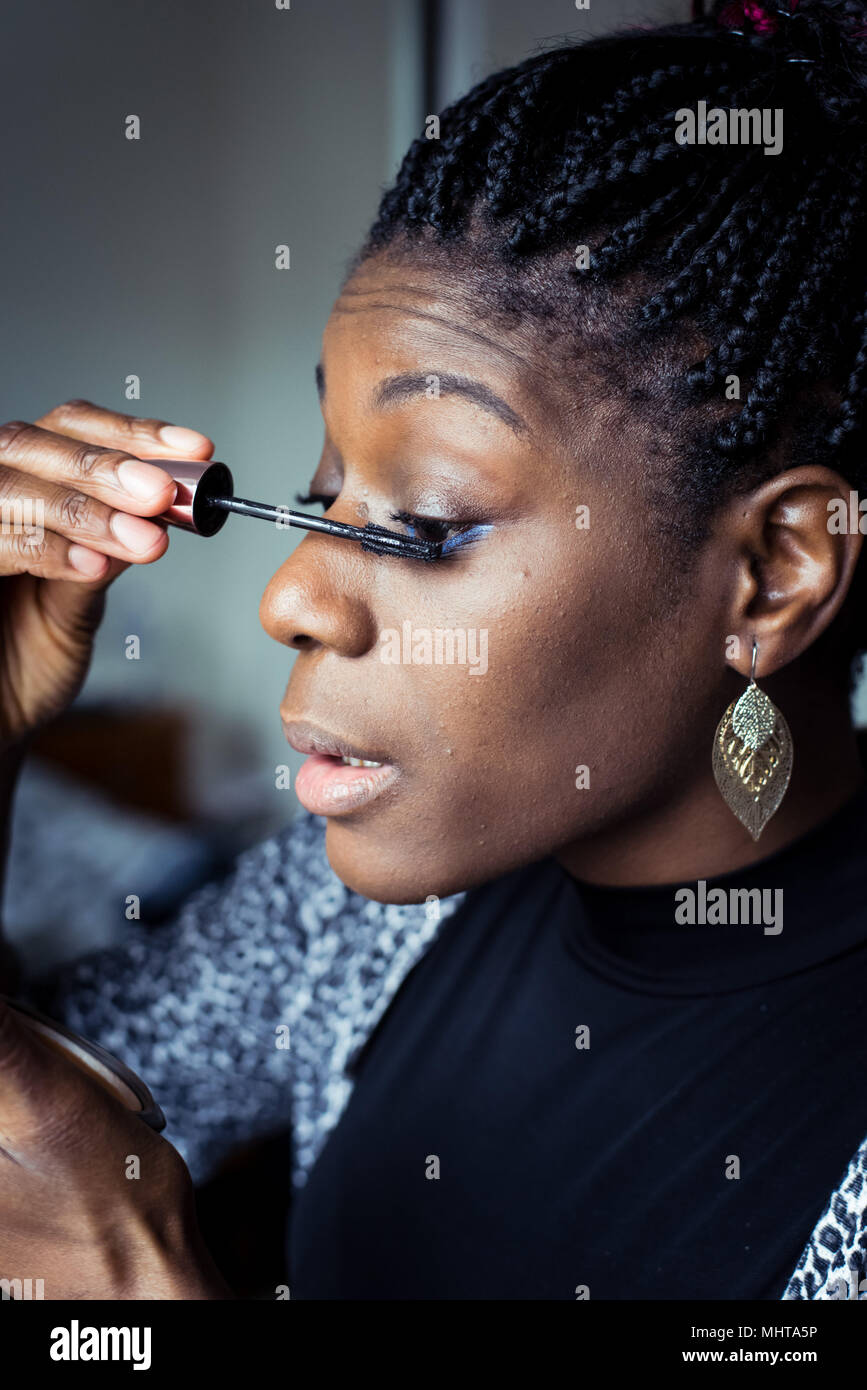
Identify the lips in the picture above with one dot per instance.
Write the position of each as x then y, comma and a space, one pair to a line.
338, 776
310, 738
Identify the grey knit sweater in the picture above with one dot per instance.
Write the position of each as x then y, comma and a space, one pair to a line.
200, 1009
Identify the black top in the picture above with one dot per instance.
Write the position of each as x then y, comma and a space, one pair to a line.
483, 1154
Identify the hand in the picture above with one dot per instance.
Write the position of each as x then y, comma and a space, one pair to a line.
82, 465
69, 1214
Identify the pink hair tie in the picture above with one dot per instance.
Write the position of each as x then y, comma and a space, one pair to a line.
741, 16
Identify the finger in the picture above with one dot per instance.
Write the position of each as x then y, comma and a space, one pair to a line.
139, 436
111, 475
80, 518
49, 556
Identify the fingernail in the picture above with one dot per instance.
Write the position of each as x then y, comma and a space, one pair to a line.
141, 480
88, 562
134, 532
187, 441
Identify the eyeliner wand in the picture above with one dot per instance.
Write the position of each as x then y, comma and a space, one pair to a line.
204, 500
377, 539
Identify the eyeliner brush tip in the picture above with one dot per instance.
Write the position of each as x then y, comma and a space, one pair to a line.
378, 540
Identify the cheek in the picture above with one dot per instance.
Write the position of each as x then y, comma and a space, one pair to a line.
571, 681
517, 733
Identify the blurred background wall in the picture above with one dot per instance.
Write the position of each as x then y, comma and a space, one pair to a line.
155, 258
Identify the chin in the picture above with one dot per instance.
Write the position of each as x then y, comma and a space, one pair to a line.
389, 871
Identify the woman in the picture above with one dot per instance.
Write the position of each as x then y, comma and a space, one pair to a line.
573, 976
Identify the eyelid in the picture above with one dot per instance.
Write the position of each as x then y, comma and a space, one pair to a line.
429, 528
448, 531
324, 500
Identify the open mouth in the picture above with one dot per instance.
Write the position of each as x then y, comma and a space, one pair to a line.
336, 777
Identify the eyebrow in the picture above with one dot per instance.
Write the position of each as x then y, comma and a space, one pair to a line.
394, 390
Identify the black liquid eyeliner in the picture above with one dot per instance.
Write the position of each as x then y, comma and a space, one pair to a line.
205, 498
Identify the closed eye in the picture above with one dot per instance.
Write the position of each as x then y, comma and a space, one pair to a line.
429, 528
424, 528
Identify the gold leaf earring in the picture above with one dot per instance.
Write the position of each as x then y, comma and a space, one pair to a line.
752, 756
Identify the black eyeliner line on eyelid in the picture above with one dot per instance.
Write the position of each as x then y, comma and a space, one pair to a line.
462, 532
408, 518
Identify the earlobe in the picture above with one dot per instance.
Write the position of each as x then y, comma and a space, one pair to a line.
796, 564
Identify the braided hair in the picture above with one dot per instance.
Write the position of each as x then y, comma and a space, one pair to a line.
705, 263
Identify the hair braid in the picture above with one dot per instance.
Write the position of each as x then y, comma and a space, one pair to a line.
790, 353
759, 290
755, 257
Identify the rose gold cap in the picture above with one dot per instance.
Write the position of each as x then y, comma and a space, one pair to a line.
197, 481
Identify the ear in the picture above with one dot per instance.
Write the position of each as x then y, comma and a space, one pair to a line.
796, 551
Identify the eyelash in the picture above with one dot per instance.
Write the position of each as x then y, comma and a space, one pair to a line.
426, 528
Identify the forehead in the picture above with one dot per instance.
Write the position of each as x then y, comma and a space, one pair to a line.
394, 318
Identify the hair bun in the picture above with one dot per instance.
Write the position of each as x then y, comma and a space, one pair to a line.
825, 39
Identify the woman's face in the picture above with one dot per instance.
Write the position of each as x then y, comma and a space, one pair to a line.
565, 652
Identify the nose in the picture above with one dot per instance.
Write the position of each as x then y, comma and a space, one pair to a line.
318, 598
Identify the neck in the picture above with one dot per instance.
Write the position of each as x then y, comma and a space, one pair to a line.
694, 835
